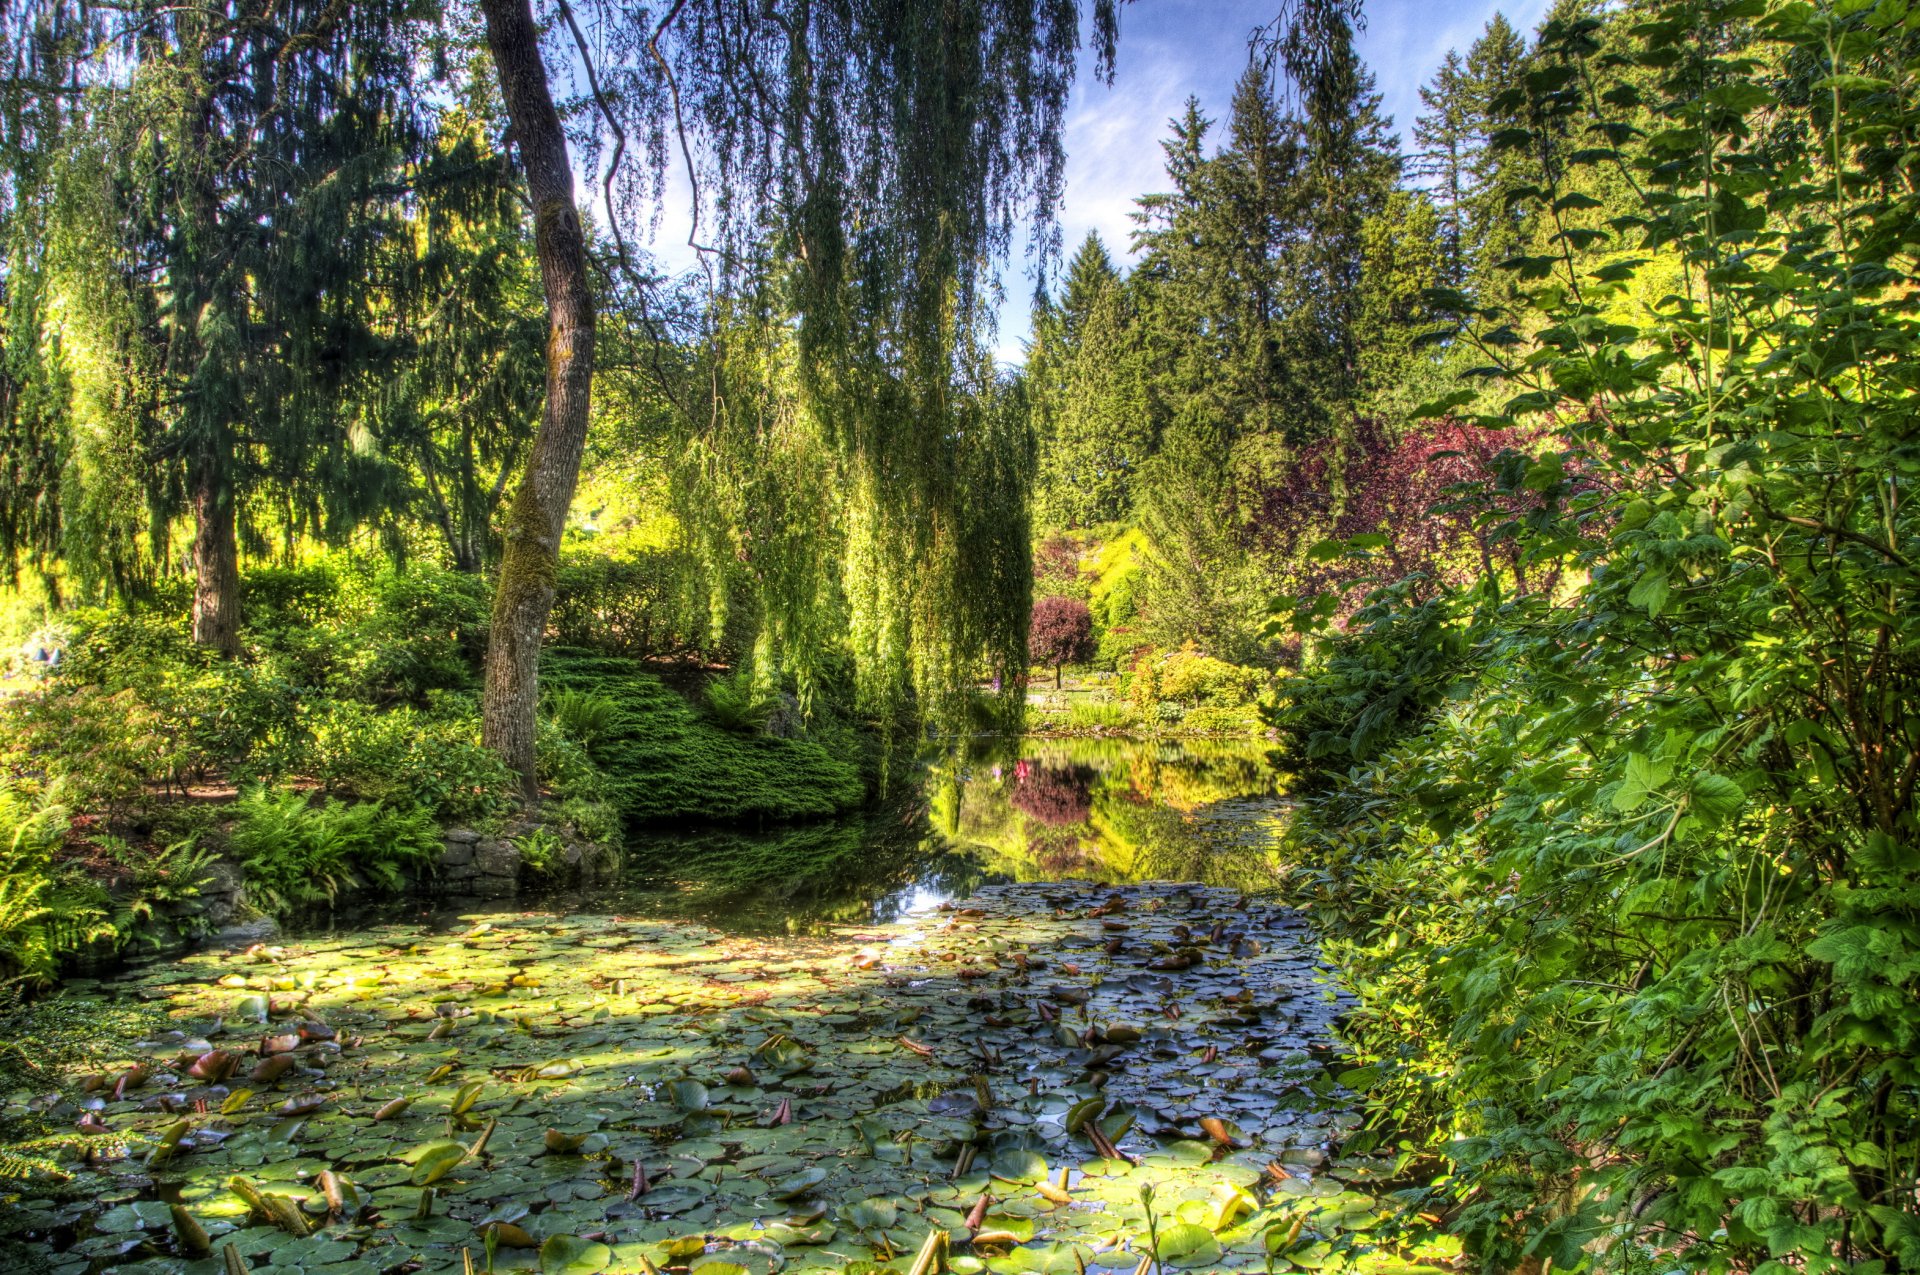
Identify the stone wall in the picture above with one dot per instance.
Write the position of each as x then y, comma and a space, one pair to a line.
497, 867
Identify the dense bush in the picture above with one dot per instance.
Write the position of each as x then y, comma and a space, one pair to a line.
1165, 687
297, 853
404, 755
1634, 923
638, 602
1368, 685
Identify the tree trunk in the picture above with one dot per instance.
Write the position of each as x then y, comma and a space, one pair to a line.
531, 553
216, 561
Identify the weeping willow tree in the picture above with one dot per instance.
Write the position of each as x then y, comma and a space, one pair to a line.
859, 174
209, 233
926, 591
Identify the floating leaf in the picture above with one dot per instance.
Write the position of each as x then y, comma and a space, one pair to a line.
1185, 1246
436, 1161
799, 1184
1020, 1165
571, 1255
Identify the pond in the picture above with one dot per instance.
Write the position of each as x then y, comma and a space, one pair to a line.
1029, 809
1032, 1021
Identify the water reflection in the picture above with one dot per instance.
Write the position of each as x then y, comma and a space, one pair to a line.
1008, 810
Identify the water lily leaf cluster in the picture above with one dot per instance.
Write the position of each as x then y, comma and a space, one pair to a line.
1056, 1076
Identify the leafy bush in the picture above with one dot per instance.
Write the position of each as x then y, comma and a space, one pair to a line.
1635, 924
295, 853
44, 913
1092, 714
1368, 686
405, 755
539, 851
1167, 686
637, 603
415, 632
736, 703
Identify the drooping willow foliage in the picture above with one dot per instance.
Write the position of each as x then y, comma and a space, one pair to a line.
921, 576
860, 173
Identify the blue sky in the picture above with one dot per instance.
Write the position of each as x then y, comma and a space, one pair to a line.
1170, 49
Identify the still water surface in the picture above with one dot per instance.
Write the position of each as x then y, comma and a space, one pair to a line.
1030, 809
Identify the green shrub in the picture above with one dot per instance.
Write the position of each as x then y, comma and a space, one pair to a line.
736, 703
1212, 719
45, 913
407, 755
1082, 713
296, 853
1371, 685
635, 603
416, 631
664, 760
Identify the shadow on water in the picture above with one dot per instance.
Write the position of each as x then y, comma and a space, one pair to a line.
1109, 810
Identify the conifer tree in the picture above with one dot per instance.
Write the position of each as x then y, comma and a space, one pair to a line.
1495, 223
215, 220
1444, 132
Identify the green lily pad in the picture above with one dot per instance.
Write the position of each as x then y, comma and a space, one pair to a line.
571, 1255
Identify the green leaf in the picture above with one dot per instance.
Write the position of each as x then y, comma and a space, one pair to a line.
1650, 591
1185, 1246
1715, 798
571, 1255
436, 1161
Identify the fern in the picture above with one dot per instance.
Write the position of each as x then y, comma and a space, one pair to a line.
737, 704
581, 716
297, 854
42, 916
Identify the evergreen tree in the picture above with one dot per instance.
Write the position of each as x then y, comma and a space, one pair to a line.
1090, 414
214, 229
1495, 222
1444, 132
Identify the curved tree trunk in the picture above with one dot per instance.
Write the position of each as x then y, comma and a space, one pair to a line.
538, 514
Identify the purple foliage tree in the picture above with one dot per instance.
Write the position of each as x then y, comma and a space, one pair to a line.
1061, 633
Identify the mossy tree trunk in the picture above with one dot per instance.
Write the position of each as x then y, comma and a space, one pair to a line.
538, 514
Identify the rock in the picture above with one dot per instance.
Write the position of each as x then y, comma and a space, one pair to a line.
457, 852
463, 871
465, 836
485, 887
497, 859
248, 933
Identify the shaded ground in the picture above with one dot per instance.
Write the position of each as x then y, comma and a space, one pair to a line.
1050, 1049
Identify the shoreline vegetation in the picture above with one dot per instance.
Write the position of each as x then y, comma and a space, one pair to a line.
1494, 546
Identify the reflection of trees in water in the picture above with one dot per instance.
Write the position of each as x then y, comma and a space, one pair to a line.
1048, 809
794, 878
1116, 808
1061, 852
1055, 796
